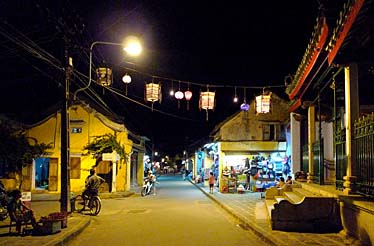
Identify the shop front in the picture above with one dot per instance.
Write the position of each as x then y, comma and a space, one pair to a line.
238, 160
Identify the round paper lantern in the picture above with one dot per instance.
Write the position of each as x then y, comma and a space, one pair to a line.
179, 95
188, 96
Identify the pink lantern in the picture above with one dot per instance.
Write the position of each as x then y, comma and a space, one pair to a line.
188, 96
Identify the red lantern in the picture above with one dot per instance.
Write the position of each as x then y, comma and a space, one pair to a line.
188, 95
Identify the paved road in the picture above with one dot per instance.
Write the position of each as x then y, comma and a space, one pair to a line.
179, 214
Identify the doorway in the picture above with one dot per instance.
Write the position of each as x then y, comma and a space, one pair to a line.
42, 173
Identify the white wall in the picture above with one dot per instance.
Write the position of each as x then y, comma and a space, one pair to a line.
295, 145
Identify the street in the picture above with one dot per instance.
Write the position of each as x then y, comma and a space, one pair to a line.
179, 214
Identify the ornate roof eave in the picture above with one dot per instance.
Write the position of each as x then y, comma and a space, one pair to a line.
294, 105
344, 23
310, 57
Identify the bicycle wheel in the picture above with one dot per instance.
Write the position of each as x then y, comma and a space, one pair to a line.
79, 203
95, 205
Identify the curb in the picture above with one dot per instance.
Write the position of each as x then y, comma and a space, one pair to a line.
70, 235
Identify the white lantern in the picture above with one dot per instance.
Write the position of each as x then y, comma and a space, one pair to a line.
179, 95
263, 104
104, 76
153, 92
207, 100
127, 80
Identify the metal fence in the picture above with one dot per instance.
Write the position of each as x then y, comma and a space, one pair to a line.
340, 157
363, 141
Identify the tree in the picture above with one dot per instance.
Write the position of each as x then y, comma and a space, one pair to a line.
106, 144
16, 149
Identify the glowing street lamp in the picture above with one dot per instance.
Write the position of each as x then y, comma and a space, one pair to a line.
132, 46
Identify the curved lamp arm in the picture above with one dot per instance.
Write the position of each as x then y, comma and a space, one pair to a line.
90, 65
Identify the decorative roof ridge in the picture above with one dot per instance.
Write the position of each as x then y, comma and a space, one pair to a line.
311, 54
347, 17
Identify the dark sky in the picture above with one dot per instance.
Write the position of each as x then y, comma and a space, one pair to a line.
221, 43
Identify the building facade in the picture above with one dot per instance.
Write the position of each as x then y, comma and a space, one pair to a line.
85, 124
249, 135
332, 114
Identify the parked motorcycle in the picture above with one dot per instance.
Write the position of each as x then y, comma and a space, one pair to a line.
147, 186
3, 202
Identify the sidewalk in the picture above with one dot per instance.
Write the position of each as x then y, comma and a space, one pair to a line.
250, 211
43, 204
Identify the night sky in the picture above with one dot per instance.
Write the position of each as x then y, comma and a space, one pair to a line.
224, 44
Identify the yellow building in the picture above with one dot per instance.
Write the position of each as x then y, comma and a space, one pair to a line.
85, 124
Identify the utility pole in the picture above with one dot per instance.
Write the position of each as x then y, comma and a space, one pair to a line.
65, 134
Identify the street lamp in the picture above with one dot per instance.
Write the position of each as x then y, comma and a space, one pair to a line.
131, 46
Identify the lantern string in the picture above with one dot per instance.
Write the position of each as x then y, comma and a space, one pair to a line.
212, 85
146, 106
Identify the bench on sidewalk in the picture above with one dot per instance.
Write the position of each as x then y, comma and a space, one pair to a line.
293, 208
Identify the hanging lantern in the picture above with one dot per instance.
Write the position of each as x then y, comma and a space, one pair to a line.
188, 96
235, 100
263, 104
207, 101
104, 76
127, 80
179, 95
153, 92
244, 106
171, 92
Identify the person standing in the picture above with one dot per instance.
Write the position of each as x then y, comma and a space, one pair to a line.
211, 182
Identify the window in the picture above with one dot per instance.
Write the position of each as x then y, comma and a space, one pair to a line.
75, 167
273, 132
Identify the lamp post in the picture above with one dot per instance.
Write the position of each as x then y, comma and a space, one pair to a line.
131, 46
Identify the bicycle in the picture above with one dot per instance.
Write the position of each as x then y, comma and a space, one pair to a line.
93, 203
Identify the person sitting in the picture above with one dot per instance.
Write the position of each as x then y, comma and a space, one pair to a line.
281, 183
92, 184
289, 180
19, 212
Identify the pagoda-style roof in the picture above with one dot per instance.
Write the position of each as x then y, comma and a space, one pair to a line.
333, 45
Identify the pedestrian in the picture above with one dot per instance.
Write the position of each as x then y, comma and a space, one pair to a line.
289, 180
280, 183
211, 182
